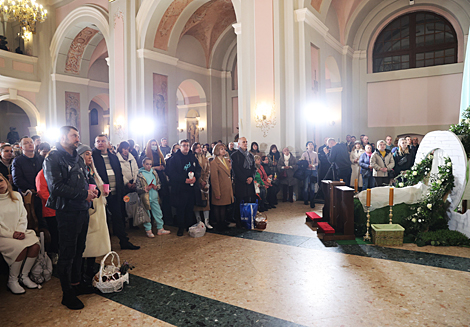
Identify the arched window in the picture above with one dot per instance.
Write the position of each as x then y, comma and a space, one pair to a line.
418, 39
94, 117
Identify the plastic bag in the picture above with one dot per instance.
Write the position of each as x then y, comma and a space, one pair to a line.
140, 214
131, 204
248, 213
197, 230
42, 268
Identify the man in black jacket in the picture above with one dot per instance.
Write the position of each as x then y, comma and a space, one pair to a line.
339, 156
109, 168
68, 181
183, 188
244, 170
24, 170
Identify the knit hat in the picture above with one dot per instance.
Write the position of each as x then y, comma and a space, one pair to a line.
82, 148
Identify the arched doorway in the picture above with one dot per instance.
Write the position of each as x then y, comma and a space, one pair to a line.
98, 112
12, 115
192, 111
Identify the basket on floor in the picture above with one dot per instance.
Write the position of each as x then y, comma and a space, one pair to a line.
109, 278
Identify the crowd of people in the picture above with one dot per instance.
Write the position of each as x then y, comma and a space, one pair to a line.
79, 192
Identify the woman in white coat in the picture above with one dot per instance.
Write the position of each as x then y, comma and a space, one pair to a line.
354, 156
129, 166
98, 242
17, 243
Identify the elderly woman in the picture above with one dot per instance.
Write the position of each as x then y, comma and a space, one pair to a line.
98, 242
17, 243
354, 156
383, 163
203, 183
403, 157
221, 181
286, 166
368, 180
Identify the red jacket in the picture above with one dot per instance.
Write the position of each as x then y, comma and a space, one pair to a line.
43, 193
264, 177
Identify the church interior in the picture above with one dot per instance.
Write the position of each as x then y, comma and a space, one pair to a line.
280, 72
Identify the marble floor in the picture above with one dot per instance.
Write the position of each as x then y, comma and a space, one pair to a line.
283, 276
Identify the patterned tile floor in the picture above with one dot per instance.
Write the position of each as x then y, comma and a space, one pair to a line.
283, 276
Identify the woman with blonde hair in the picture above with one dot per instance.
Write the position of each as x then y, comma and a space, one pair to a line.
383, 163
403, 157
98, 242
221, 181
17, 243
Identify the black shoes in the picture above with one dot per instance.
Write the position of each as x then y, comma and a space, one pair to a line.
312, 205
82, 288
71, 301
180, 232
129, 246
306, 203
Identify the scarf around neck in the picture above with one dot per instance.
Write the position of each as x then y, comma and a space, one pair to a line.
249, 159
286, 160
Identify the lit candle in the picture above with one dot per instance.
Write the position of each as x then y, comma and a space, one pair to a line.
390, 199
355, 185
340, 180
368, 197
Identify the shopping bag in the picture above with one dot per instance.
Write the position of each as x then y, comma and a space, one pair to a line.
42, 269
140, 214
131, 204
248, 213
197, 230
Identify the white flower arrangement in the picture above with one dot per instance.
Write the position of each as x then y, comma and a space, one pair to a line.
429, 206
413, 220
415, 173
401, 184
449, 164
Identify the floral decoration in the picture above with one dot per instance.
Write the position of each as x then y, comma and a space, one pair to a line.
463, 129
431, 211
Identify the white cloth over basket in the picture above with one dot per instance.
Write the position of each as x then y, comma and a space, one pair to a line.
380, 195
113, 281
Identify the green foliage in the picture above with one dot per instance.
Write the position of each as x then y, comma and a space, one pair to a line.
463, 128
442, 237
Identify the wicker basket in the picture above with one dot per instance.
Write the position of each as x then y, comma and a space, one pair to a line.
109, 279
387, 234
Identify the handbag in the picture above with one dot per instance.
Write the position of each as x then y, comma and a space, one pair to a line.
42, 268
140, 214
248, 213
402, 161
199, 201
131, 204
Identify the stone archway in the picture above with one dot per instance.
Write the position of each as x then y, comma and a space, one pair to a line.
28, 107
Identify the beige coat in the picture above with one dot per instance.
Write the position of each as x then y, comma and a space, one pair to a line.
141, 184
377, 163
356, 169
221, 182
205, 173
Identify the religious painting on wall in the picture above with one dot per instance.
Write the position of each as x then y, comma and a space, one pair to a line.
160, 104
193, 130
72, 109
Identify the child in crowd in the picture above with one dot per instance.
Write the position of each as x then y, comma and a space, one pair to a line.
148, 184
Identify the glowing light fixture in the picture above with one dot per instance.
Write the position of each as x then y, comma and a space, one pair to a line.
26, 12
265, 117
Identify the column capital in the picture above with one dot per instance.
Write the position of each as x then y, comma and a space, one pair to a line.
238, 28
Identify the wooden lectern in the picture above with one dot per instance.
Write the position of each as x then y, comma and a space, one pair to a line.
328, 207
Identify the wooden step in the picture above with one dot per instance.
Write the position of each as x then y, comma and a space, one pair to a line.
324, 227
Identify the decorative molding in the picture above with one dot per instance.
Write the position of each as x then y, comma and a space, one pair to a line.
19, 84
70, 79
305, 15
348, 51
193, 68
237, 28
118, 15
97, 84
334, 90
334, 43
157, 56
360, 54
79, 81
18, 57
191, 106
